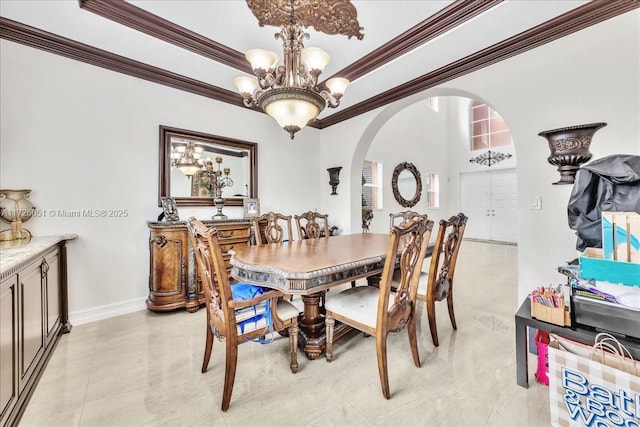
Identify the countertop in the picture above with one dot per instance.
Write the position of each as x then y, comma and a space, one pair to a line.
14, 254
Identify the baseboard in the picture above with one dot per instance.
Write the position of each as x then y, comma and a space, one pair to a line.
79, 317
496, 242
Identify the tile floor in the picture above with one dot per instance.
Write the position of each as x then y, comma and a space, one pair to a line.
143, 369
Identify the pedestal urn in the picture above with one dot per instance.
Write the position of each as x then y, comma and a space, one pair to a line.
334, 179
570, 148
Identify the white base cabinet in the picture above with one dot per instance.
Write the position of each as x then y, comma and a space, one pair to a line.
33, 314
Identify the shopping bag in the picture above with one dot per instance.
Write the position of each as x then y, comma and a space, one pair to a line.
601, 389
542, 345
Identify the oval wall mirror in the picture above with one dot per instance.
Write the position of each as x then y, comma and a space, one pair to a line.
406, 184
193, 187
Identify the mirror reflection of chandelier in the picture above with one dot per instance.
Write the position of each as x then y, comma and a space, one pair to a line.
289, 93
187, 158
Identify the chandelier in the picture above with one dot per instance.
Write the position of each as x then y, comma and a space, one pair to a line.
289, 93
187, 158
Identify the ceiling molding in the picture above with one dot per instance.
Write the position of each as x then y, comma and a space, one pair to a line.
140, 20
52, 43
575, 20
437, 24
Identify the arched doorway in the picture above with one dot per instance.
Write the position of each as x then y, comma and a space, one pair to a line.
439, 142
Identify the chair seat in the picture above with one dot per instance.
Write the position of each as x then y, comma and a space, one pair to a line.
359, 304
286, 310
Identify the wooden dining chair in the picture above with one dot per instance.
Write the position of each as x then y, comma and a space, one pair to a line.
378, 311
437, 284
401, 218
312, 225
271, 228
235, 320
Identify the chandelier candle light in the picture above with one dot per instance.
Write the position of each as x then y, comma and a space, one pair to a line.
289, 93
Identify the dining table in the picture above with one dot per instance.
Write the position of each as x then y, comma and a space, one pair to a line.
308, 268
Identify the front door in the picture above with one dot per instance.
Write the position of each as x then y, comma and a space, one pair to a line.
490, 200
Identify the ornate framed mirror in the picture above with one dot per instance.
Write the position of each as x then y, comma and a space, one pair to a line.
188, 159
406, 184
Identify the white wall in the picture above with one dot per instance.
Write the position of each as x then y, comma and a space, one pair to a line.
83, 137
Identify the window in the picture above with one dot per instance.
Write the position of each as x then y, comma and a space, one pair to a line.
488, 129
433, 103
432, 185
372, 184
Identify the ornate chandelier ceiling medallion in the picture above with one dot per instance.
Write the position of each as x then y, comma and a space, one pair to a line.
289, 92
327, 16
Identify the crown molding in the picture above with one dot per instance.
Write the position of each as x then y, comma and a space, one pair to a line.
33, 37
140, 20
437, 24
577, 19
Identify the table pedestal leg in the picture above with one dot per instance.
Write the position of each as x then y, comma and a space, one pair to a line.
311, 337
311, 320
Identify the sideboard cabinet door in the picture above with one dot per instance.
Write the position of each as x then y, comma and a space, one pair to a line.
52, 291
8, 346
168, 254
31, 331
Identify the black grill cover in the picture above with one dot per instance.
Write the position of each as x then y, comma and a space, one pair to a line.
611, 183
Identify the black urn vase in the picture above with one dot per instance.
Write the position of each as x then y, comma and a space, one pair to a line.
334, 179
570, 148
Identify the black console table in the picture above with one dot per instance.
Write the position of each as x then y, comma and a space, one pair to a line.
582, 334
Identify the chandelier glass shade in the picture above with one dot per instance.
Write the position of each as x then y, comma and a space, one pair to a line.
289, 92
187, 158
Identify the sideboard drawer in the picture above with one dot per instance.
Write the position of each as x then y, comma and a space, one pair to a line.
230, 233
226, 247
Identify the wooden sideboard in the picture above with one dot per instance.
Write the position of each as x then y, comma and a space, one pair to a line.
174, 280
33, 314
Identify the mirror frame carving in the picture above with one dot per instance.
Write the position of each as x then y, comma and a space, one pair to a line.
164, 176
394, 184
